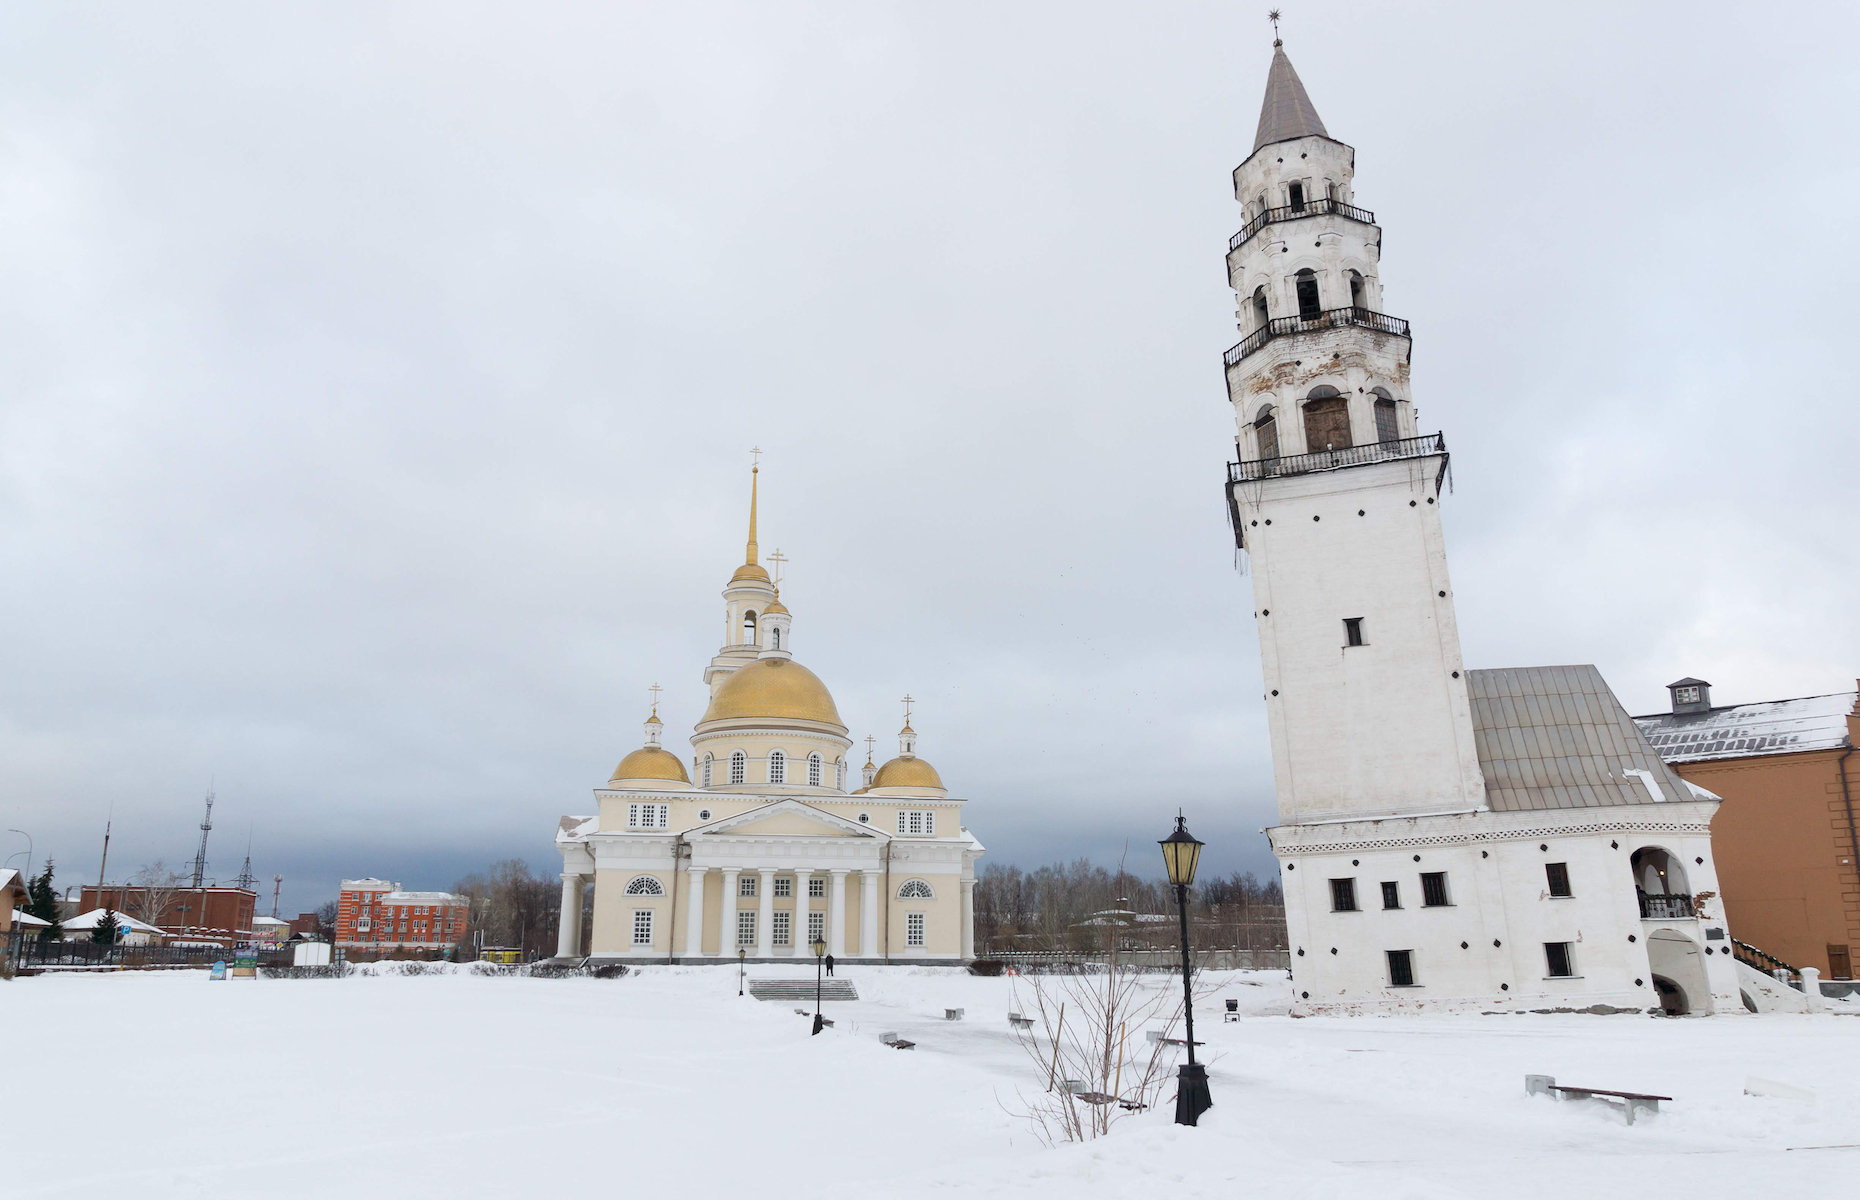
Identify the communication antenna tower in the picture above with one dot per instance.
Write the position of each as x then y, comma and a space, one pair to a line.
277, 881
246, 879
200, 856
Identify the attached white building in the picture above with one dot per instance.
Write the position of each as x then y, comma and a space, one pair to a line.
1449, 839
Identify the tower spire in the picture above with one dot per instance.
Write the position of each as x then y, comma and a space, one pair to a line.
1287, 111
752, 556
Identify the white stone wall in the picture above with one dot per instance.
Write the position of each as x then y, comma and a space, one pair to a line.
1385, 727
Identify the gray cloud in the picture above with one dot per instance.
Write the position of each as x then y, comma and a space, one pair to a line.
380, 385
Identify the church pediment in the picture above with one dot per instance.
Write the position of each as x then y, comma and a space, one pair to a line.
787, 818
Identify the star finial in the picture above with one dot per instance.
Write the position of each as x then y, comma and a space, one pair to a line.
1273, 16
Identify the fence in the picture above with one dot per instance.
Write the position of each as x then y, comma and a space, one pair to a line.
27, 952
1066, 961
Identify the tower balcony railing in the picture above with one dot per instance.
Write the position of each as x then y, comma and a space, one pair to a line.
1394, 450
1665, 908
1330, 318
1323, 207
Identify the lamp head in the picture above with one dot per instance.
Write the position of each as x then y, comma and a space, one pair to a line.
820, 948
742, 952
1181, 852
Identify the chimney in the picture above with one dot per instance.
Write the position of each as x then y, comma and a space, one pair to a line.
1690, 695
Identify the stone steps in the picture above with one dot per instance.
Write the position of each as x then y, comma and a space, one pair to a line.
796, 990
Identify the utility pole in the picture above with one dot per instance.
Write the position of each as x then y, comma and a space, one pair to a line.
277, 881
108, 821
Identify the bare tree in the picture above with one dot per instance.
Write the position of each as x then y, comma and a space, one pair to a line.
156, 887
511, 906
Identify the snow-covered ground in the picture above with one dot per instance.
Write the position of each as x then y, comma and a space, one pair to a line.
667, 1084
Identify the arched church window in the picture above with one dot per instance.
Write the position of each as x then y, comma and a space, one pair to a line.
707, 767
749, 628
839, 774
915, 889
739, 766
1357, 291
1327, 420
1308, 303
645, 885
1262, 315
775, 637
778, 767
1266, 431
1296, 194
813, 770
1388, 429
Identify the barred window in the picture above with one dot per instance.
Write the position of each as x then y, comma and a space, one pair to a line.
916, 821
816, 886
914, 929
816, 927
915, 889
745, 885
645, 885
642, 927
648, 816
746, 928
1434, 889
783, 925
784, 887
813, 770
739, 766
1401, 968
778, 767
1343, 895
1557, 876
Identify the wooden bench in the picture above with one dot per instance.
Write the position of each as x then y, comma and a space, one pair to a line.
1546, 1085
1156, 1035
1019, 1022
953, 1014
896, 1042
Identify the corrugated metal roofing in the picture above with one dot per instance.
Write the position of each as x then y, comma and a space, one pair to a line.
1743, 730
1287, 112
1556, 737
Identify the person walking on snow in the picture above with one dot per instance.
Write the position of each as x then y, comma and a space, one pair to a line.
829, 964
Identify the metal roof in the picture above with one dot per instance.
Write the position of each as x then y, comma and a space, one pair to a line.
1287, 112
1556, 737
1744, 730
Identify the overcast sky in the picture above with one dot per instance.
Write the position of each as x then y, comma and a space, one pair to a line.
380, 382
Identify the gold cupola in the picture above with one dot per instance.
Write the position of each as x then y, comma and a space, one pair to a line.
652, 762
907, 773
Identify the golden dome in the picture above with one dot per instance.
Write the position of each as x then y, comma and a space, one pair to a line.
773, 688
650, 762
750, 571
776, 606
907, 772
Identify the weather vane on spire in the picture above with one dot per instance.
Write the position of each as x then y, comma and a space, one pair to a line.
778, 558
1273, 16
655, 689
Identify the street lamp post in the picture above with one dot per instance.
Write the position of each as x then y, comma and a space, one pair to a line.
1180, 854
742, 966
820, 953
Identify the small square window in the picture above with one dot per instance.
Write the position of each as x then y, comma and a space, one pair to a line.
1558, 876
1353, 631
816, 886
1391, 895
784, 887
1434, 889
745, 885
1343, 895
1686, 695
1401, 968
1557, 958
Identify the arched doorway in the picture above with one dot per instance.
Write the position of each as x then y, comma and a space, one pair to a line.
1678, 973
1660, 881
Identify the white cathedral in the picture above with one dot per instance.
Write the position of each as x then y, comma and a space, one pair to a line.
1493, 840
768, 852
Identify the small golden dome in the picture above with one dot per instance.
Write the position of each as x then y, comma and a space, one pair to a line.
750, 571
773, 688
650, 762
907, 772
776, 606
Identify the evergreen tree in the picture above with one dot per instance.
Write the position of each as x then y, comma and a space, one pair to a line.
105, 931
42, 902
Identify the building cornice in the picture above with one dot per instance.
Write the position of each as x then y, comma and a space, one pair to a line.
1685, 818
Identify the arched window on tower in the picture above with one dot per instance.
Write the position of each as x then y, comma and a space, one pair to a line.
1308, 303
1296, 195
1262, 315
1327, 420
1358, 293
707, 770
1388, 429
813, 770
739, 766
775, 636
778, 767
839, 774
749, 628
1266, 432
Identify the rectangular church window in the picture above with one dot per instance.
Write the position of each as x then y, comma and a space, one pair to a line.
642, 927
1353, 631
1557, 959
745, 885
1343, 895
914, 929
784, 887
816, 927
816, 886
745, 928
1557, 875
783, 925
1434, 889
1391, 895
1401, 968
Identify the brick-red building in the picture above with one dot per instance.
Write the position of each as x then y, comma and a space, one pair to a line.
207, 914
373, 914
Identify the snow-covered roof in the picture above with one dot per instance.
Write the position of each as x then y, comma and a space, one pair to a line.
10, 877
24, 918
257, 921
421, 898
370, 884
123, 922
1744, 730
1556, 737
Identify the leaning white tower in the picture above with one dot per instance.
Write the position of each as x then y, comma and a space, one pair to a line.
1335, 497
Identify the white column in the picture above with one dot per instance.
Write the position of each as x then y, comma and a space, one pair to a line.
726, 940
694, 913
868, 914
801, 909
1811, 988
968, 918
765, 922
568, 929
836, 913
